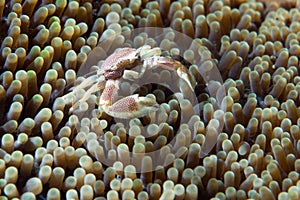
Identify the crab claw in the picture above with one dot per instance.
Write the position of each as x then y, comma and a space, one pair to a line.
132, 106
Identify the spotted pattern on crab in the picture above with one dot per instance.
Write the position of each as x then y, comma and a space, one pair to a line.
129, 105
115, 74
109, 92
115, 59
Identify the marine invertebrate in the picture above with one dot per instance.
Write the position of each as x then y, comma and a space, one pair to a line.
45, 43
118, 65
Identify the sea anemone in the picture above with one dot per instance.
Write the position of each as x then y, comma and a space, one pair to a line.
235, 136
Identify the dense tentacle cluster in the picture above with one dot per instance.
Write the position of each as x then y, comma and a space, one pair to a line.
48, 153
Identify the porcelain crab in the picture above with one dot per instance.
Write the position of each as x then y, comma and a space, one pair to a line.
119, 64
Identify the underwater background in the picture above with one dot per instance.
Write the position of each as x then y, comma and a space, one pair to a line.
234, 135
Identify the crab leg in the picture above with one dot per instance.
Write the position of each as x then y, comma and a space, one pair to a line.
143, 52
170, 64
90, 81
128, 107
